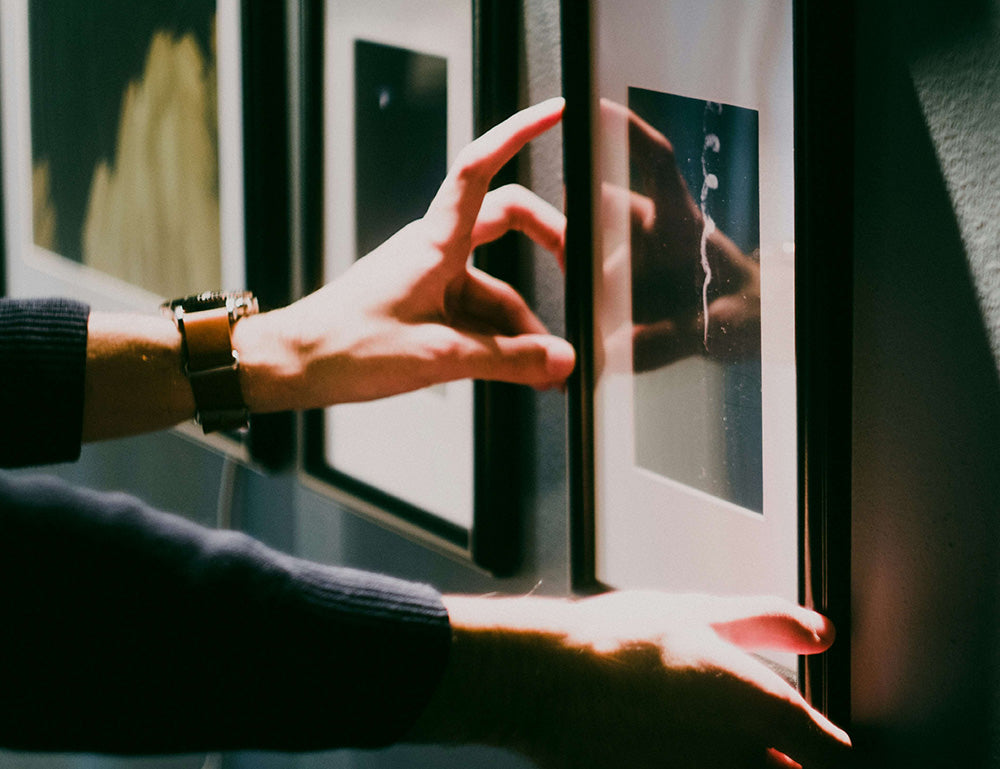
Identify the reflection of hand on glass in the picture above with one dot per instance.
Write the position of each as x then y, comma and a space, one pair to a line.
666, 228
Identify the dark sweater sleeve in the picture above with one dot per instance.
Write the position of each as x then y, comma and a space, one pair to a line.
126, 630
43, 355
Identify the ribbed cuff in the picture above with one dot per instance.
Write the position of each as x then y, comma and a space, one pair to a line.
43, 355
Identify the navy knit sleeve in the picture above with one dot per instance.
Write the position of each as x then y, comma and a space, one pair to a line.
43, 356
126, 630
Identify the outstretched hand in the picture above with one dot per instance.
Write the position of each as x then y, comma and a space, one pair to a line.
638, 679
414, 312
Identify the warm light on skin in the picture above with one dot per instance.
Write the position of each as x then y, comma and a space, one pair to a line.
133, 382
573, 683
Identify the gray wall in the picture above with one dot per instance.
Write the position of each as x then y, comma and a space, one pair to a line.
927, 404
927, 409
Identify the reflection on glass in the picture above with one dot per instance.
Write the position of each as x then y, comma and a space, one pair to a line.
401, 129
124, 130
693, 172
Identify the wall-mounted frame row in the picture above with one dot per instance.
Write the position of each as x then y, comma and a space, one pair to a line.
186, 161
148, 153
710, 413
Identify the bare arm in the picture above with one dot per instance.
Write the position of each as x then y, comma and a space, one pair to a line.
134, 382
631, 679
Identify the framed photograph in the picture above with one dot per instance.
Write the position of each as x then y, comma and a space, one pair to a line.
128, 176
404, 87
705, 319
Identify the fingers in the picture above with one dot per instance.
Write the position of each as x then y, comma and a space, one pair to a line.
537, 360
659, 344
490, 304
479, 161
454, 209
779, 759
644, 139
541, 361
768, 622
805, 734
619, 204
513, 207
772, 710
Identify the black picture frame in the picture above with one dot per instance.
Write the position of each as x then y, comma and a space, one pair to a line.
823, 200
824, 223
271, 438
248, 149
492, 541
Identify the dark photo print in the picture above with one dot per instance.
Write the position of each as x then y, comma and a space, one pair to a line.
124, 130
401, 123
696, 294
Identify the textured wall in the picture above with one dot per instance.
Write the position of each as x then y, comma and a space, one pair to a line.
926, 508
958, 84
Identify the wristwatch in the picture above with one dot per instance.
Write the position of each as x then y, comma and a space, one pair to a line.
210, 362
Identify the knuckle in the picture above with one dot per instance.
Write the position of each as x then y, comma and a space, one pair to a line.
470, 165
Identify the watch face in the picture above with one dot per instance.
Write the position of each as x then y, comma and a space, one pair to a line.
240, 303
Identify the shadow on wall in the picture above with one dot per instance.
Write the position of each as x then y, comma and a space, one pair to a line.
922, 25
926, 520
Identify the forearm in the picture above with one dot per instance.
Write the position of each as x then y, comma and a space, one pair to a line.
502, 667
135, 381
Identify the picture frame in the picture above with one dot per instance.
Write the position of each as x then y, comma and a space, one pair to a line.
824, 217
439, 465
645, 142
136, 165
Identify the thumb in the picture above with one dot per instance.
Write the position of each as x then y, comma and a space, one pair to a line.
537, 360
771, 623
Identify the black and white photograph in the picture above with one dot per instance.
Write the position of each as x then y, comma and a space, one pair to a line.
686, 455
399, 100
401, 132
134, 170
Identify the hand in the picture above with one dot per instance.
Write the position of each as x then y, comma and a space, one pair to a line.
410, 314
639, 679
663, 260
414, 312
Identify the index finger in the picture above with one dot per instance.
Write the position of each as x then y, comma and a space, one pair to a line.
461, 194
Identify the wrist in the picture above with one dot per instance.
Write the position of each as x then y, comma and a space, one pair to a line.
503, 671
271, 368
134, 381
